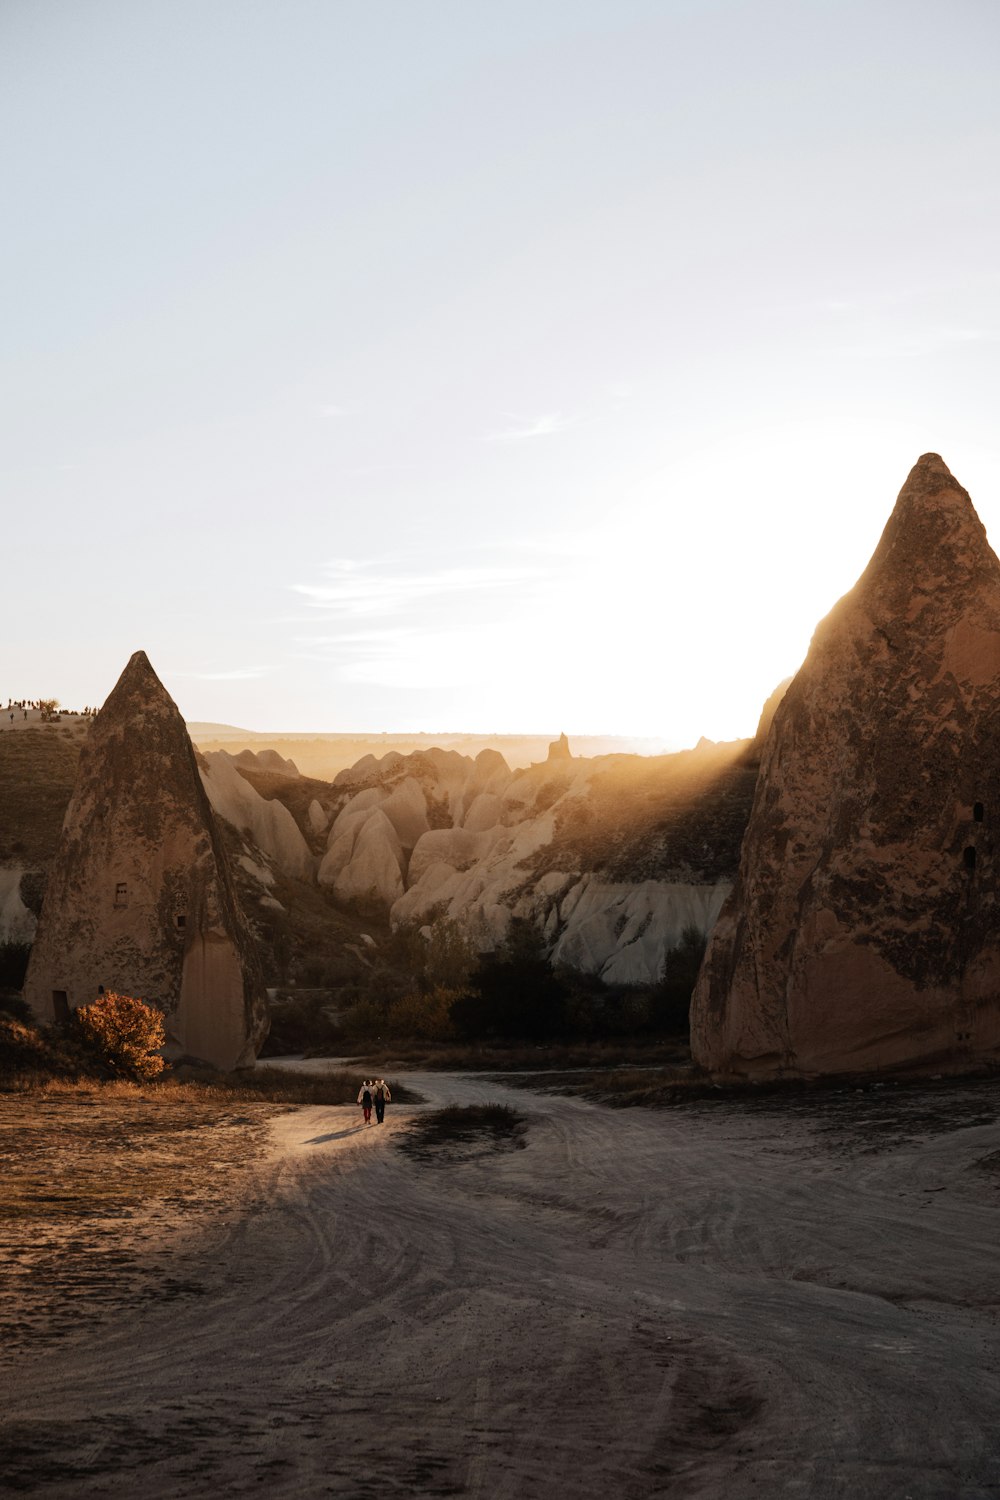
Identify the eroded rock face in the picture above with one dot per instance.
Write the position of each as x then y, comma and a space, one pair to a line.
140, 897
862, 930
270, 826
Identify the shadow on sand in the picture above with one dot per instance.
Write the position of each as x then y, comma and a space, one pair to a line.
335, 1135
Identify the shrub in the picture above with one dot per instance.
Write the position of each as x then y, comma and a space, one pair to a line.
365, 1021
444, 953
513, 992
672, 996
425, 1017
123, 1033
14, 1005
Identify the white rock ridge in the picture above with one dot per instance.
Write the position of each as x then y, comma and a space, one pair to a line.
267, 822
438, 835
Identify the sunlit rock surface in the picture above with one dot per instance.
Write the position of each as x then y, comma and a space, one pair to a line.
263, 760
624, 932
140, 897
862, 932
566, 843
267, 823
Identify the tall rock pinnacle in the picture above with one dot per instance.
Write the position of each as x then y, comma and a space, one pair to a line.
140, 897
862, 930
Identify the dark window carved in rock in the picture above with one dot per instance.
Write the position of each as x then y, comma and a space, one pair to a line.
121, 893
60, 1006
977, 812
180, 920
969, 856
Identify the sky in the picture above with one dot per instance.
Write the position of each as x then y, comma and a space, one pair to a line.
487, 365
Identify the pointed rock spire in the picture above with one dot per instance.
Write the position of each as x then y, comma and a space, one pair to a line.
861, 932
140, 897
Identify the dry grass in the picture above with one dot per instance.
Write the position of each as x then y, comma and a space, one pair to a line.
80, 1153
194, 1086
282, 1086
95, 1183
37, 772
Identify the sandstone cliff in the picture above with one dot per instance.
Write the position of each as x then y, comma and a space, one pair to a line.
140, 898
862, 930
611, 858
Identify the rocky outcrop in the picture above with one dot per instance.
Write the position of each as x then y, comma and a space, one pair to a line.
625, 932
263, 760
366, 862
318, 817
566, 843
559, 750
140, 898
268, 824
862, 930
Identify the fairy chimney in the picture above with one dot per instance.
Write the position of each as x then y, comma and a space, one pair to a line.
862, 931
140, 898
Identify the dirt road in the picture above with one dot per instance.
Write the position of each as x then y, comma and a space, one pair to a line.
712, 1302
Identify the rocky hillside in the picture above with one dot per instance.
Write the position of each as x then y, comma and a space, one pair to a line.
612, 856
37, 770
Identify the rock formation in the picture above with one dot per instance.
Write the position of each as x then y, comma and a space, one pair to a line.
862, 930
559, 749
140, 898
610, 858
267, 824
263, 760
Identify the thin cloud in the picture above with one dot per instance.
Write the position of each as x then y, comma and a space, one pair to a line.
524, 428
359, 591
380, 622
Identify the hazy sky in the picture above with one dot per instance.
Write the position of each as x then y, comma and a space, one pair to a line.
443, 364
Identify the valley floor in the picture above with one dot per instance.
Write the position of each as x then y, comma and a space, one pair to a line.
719, 1300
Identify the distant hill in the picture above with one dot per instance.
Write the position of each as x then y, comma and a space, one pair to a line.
323, 755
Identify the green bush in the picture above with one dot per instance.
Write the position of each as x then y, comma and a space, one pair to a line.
123, 1034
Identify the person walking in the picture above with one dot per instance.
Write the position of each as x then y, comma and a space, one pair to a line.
382, 1098
365, 1100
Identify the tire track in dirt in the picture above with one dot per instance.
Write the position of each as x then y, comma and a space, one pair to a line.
680, 1304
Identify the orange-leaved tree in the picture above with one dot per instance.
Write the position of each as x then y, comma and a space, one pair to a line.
124, 1033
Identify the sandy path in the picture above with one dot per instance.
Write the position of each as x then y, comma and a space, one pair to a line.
698, 1303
